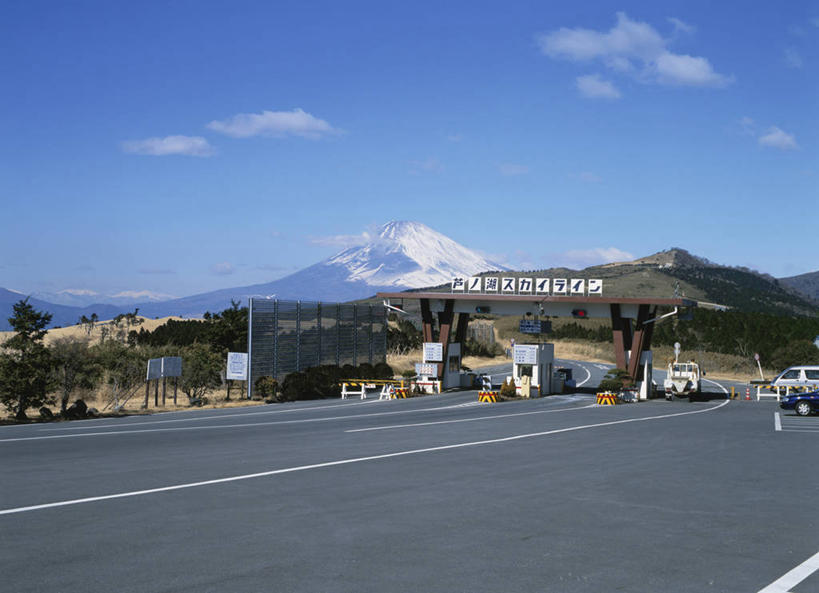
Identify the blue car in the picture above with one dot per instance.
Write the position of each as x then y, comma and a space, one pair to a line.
802, 403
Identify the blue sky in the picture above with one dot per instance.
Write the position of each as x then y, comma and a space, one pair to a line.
180, 147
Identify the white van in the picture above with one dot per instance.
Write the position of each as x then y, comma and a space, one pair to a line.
799, 376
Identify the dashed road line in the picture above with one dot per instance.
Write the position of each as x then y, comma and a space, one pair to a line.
493, 417
777, 422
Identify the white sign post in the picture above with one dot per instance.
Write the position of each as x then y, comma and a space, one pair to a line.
236, 368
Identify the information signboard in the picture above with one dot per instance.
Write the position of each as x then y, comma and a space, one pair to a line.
534, 326
167, 366
433, 352
525, 354
425, 368
236, 366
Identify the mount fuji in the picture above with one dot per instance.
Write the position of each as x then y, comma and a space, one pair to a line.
402, 255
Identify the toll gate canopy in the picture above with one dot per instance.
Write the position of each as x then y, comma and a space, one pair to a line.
632, 319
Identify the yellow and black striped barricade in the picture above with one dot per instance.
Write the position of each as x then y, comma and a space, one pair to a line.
488, 397
400, 393
606, 398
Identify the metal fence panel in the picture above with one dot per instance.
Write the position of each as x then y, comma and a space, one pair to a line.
289, 336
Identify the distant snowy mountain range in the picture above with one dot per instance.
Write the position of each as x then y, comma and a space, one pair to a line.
403, 255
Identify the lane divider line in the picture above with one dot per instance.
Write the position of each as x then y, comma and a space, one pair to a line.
793, 577
717, 384
468, 419
340, 462
777, 422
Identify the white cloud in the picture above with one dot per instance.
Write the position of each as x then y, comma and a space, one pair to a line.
588, 177
632, 46
792, 58
777, 138
583, 258
429, 165
748, 125
594, 87
148, 295
343, 241
222, 269
681, 26
277, 124
184, 145
678, 69
79, 292
512, 169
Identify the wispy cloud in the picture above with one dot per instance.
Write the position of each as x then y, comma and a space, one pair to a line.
455, 137
512, 169
148, 295
594, 87
583, 258
778, 138
429, 165
632, 47
222, 269
277, 124
587, 177
78, 292
343, 241
793, 59
681, 26
169, 145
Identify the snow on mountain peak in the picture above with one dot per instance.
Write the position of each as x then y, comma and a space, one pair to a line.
411, 255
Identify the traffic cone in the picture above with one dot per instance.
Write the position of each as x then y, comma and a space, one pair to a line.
747, 393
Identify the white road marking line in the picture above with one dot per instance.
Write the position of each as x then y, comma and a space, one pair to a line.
221, 426
717, 384
468, 419
214, 417
777, 422
793, 577
588, 375
289, 470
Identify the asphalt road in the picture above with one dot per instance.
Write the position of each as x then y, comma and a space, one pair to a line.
437, 493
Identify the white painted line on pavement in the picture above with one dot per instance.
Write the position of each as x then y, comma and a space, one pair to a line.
289, 470
717, 384
388, 427
792, 578
777, 422
588, 375
222, 426
212, 417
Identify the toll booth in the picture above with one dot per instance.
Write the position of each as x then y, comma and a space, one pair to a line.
452, 367
534, 362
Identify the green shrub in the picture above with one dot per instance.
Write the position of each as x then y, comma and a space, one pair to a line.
324, 380
266, 387
295, 387
365, 371
408, 374
383, 371
508, 389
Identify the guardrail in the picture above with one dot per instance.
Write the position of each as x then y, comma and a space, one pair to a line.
777, 389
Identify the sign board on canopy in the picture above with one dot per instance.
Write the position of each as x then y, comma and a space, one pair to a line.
236, 366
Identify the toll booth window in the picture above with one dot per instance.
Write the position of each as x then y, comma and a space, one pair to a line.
454, 364
791, 375
525, 370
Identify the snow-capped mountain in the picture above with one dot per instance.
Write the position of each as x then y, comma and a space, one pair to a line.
410, 255
402, 255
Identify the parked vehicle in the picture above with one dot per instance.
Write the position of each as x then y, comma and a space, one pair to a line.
798, 376
802, 403
683, 379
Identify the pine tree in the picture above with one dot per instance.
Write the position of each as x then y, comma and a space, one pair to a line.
25, 363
